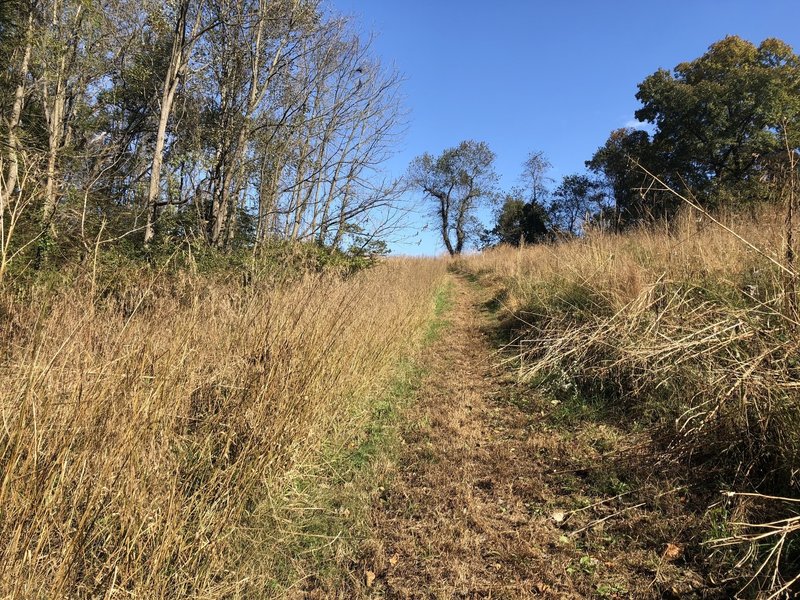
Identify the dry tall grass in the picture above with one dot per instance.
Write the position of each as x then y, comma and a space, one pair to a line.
147, 435
687, 331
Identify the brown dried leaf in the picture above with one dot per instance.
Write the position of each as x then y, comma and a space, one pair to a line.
673, 551
370, 577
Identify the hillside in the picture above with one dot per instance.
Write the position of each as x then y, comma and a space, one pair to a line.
354, 299
613, 416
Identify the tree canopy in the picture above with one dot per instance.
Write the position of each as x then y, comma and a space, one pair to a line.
717, 124
577, 200
616, 163
718, 116
226, 123
517, 222
457, 181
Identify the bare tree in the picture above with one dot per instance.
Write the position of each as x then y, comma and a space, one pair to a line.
535, 177
348, 117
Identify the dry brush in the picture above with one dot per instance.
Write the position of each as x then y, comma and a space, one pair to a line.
147, 433
686, 332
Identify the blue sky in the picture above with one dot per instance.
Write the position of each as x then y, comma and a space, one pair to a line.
551, 76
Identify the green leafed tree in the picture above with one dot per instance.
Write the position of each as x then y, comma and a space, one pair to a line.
618, 163
457, 182
577, 200
719, 117
519, 222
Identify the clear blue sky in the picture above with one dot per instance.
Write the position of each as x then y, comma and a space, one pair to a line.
552, 76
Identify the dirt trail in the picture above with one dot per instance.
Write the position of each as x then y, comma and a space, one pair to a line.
455, 521
491, 499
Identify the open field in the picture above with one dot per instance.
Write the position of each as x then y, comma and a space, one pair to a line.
553, 421
152, 433
222, 376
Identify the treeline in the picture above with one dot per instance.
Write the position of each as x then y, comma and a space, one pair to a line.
222, 122
723, 128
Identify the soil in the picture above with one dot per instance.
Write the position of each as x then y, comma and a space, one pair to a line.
501, 492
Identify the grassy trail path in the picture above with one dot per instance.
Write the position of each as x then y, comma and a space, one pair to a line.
454, 522
499, 491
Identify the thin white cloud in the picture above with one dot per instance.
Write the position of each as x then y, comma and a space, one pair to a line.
635, 124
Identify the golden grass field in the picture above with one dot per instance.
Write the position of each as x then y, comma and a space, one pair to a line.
148, 432
158, 428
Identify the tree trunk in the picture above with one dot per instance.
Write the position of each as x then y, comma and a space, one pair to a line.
177, 64
444, 218
55, 129
267, 196
9, 183
158, 159
231, 165
460, 234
